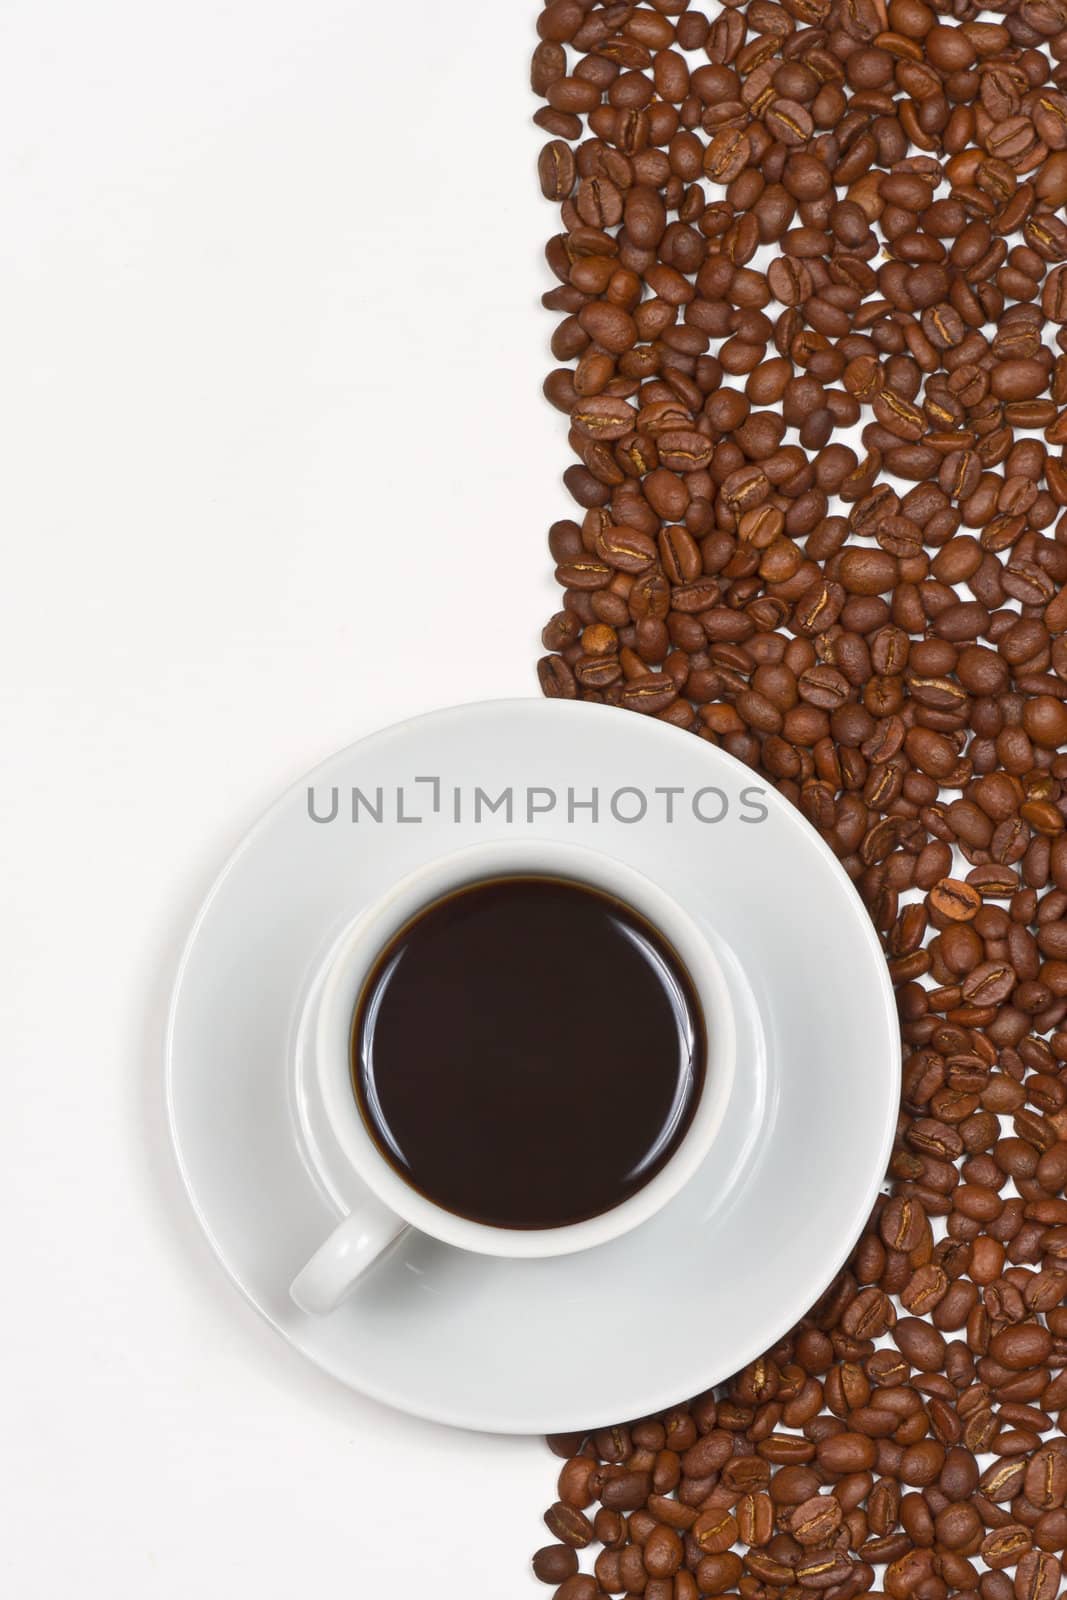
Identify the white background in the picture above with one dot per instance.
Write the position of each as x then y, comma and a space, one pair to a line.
275, 472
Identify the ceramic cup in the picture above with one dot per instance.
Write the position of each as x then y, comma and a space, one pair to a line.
391, 1204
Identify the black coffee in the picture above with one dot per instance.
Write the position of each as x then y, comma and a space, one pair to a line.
528, 1052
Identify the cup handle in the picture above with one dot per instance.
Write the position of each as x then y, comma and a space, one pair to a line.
339, 1263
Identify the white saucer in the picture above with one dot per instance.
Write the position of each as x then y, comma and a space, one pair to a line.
728, 1266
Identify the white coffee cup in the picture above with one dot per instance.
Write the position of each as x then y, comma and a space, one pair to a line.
392, 1204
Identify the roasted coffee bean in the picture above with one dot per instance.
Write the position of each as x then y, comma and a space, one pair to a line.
569, 1526
663, 1553
555, 1562
816, 1521
627, 1492
714, 1531
1037, 1577
718, 1574
1025, 1345
920, 1342
846, 1452
580, 1587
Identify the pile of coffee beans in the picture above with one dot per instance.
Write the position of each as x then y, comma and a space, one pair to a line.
812, 286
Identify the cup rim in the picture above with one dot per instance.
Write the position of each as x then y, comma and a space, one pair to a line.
352, 957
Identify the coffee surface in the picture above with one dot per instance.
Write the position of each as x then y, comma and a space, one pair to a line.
528, 1052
